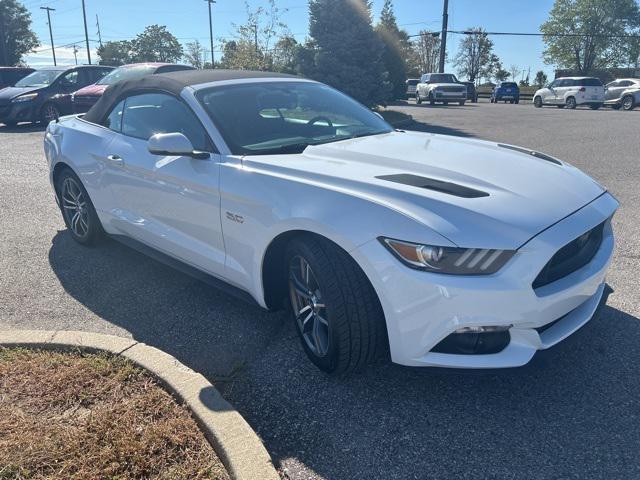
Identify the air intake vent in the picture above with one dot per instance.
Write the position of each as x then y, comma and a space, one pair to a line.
433, 184
541, 156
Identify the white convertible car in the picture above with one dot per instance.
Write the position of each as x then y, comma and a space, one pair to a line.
439, 251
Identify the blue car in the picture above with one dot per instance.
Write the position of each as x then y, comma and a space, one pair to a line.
506, 91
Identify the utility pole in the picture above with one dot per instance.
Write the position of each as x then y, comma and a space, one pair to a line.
255, 36
99, 34
86, 33
443, 36
53, 48
75, 53
213, 61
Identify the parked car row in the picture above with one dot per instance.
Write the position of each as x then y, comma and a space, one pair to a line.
45, 94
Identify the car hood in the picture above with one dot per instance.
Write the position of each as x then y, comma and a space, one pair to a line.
91, 90
522, 194
9, 93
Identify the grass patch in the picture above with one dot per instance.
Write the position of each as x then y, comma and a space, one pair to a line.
81, 416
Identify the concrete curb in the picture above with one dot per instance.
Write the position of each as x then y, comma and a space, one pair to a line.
237, 445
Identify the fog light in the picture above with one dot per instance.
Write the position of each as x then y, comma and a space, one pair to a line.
494, 328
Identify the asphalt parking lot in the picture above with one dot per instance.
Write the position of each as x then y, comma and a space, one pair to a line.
573, 413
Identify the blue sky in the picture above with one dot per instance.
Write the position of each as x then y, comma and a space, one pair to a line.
188, 19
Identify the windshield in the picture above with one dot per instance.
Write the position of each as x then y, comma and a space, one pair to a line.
442, 78
508, 85
285, 117
126, 73
39, 78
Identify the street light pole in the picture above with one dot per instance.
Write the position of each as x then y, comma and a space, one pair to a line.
53, 48
213, 61
86, 33
443, 37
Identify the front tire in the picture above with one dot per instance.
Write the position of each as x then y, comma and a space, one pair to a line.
628, 102
537, 102
461, 103
78, 212
571, 103
336, 311
48, 113
418, 99
432, 100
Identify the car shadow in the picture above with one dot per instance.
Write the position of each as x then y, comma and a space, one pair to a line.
418, 126
573, 412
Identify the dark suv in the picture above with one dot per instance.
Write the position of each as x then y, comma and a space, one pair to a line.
507, 91
10, 75
45, 94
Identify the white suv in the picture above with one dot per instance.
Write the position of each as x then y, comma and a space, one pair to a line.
570, 92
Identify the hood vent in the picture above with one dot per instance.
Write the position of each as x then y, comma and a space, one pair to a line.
541, 156
436, 185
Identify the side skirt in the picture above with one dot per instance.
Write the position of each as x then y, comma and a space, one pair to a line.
188, 270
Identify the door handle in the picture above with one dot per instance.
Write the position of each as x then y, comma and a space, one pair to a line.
115, 160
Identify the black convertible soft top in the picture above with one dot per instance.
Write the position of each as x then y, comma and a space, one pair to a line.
171, 82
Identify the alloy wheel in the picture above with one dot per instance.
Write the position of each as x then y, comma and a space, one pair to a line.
627, 102
49, 113
74, 205
308, 306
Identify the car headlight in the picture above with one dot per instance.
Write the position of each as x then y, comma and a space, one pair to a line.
25, 98
448, 260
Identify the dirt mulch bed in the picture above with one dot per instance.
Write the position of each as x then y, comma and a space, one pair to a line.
86, 416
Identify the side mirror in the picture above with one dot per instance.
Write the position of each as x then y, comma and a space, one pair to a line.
378, 114
174, 144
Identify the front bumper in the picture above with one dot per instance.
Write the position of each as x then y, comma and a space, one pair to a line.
18, 112
423, 308
449, 96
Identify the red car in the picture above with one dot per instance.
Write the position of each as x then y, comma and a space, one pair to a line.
86, 97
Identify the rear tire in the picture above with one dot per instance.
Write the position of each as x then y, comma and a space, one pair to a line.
418, 99
628, 102
338, 315
461, 103
78, 212
616, 106
432, 100
537, 102
517, 100
571, 103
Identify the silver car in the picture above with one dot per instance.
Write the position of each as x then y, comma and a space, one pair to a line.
623, 93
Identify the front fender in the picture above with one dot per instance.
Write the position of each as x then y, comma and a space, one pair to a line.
257, 207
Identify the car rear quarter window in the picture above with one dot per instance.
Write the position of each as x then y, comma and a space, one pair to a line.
114, 120
589, 82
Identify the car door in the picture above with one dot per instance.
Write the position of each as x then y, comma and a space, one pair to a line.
612, 91
64, 86
549, 93
171, 203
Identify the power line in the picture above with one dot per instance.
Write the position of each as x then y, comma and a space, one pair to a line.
99, 34
53, 48
523, 34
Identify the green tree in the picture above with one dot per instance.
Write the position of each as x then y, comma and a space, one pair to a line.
427, 48
347, 52
15, 29
253, 45
156, 44
541, 79
115, 53
194, 54
597, 22
475, 58
285, 54
394, 52
500, 75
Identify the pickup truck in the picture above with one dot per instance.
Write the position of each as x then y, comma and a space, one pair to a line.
440, 88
